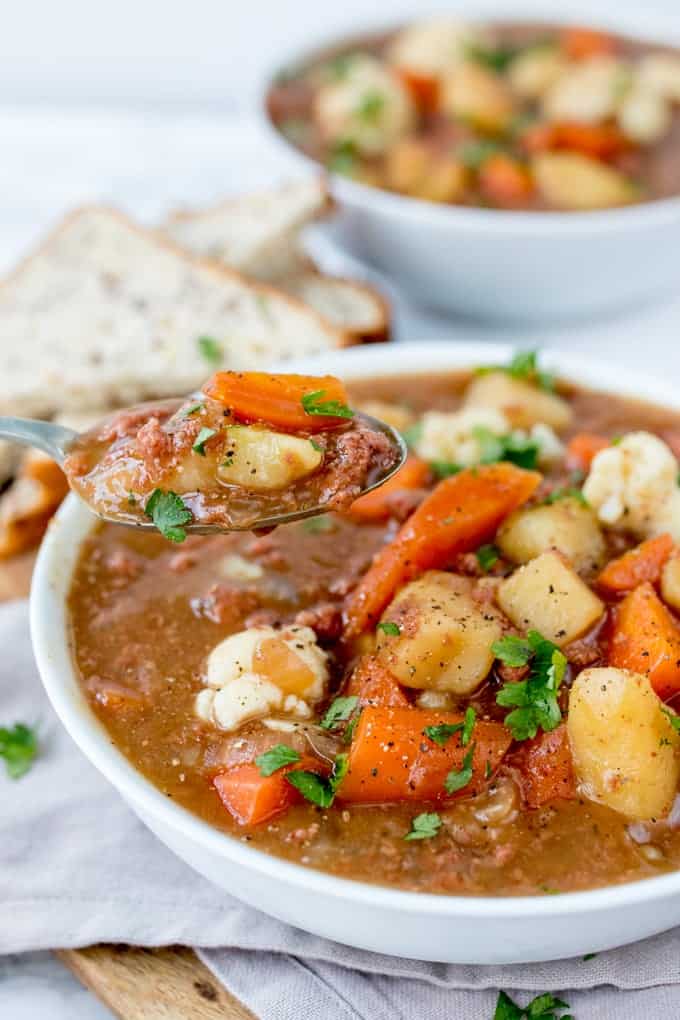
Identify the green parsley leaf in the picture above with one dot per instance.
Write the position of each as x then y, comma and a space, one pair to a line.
371, 106
316, 446
424, 826
514, 447
673, 719
442, 733
524, 365
487, 555
343, 156
318, 524
566, 493
340, 710
543, 1007
444, 468
339, 67
413, 434
318, 789
496, 59
473, 154
18, 746
194, 409
312, 404
589, 956
512, 650
202, 438
457, 779
275, 758
468, 726
536, 697
168, 512
350, 728
389, 627
210, 350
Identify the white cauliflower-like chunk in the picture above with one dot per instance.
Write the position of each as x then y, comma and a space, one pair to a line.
550, 447
645, 116
255, 672
431, 48
633, 486
451, 437
588, 92
369, 107
660, 72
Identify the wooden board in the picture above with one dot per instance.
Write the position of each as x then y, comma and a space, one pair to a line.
137, 984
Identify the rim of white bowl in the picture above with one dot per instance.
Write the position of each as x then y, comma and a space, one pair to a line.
647, 25
51, 642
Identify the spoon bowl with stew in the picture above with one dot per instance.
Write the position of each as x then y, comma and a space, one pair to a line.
250, 451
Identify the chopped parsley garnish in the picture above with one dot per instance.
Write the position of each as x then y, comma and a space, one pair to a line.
338, 68
412, 434
424, 826
168, 512
18, 746
210, 350
673, 719
371, 107
342, 157
487, 555
473, 154
497, 59
444, 468
589, 956
350, 728
339, 711
202, 438
468, 725
275, 758
457, 779
312, 404
316, 446
566, 493
543, 1007
318, 789
317, 525
442, 733
389, 627
535, 699
523, 365
514, 447
194, 409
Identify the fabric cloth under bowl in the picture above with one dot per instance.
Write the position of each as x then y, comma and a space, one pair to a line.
78, 867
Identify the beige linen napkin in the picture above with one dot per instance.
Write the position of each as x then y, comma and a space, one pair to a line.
77, 867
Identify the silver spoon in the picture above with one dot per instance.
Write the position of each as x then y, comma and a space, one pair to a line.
56, 441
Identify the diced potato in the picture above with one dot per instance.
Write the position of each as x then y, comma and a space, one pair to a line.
261, 460
533, 72
431, 48
661, 73
625, 751
588, 92
414, 168
445, 637
474, 93
396, 415
644, 116
445, 181
670, 583
522, 404
406, 164
548, 596
569, 180
567, 526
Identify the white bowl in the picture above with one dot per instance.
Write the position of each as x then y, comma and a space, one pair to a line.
495, 264
443, 928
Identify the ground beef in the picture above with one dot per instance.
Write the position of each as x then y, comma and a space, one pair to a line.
225, 604
359, 454
325, 620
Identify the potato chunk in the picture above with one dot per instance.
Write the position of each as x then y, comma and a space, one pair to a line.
548, 596
670, 583
533, 72
474, 93
522, 404
445, 637
567, 525
569, 180
264, 461
626, 753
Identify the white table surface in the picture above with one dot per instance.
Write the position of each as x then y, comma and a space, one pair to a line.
53, 159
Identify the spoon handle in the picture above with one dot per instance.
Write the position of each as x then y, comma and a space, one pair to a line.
54, 440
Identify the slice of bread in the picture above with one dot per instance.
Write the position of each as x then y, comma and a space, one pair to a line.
106, 314
355, 307
250, 233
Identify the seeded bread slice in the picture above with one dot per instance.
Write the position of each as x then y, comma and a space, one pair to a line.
357, 308
107, 314
255, 234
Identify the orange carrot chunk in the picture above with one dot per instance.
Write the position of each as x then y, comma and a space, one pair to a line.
505, 181
601, 141
251, 798
581, 43
645, 638
545, 768
424, 89
392, 759
644, 563
374, 684
461, 513
294, 402
376, 505
582, 448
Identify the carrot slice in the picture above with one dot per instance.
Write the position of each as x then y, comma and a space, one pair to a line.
251, 798
581, 43
392, 760
374, 684
644, 563
645, 638
582, 449
505, 180
460, 513
278, 399
601, 141
546, 769
375, 506
424, 89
